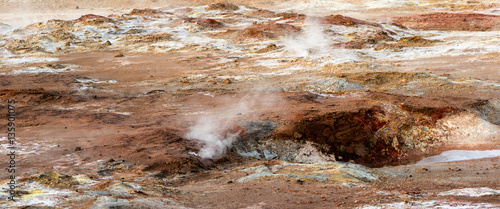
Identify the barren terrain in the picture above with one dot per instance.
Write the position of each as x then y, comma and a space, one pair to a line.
251, 104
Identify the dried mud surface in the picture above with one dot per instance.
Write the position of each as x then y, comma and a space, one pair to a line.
297, 104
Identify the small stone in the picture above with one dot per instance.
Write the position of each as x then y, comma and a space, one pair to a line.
78, 149
58, 48
119, 55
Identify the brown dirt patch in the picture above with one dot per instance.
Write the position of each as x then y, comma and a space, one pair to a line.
48, 25
414, 41
269, 30
350, 45
381, 78
160, 150
291, 16
346, 21
451, 21
223, 7
261, 13
92, 19
148, 38
39, 96
204, 22
146, 12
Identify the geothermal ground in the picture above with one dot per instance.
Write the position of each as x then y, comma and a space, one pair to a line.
250, 104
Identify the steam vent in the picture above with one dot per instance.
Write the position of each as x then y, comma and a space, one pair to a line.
249, 104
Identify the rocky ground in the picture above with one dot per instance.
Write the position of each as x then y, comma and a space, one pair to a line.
283, 104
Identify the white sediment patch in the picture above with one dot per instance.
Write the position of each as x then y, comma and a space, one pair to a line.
277, 73
20, 60
375, 4
25, 147
121, 113
210, 94
460, 155
40, 70
37, 195
468, 129
444, 204
447, 49
471, 192
357, 94
85, 86
317, 6
449, 43
270, 63
89, 81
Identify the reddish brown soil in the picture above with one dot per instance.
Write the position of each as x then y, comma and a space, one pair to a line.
346, 21
291, 16
223, 7
262, 13
204, 22
263, 31
451, 21
148, 38
93, 19
350, 45
133, 130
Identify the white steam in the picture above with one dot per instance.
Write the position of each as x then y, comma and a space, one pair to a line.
312, 40
217, 132
212, 132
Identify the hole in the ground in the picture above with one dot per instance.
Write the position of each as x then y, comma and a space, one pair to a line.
373, 137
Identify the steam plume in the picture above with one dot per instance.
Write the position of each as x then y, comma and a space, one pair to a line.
312, 39
214, 134
218, 131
